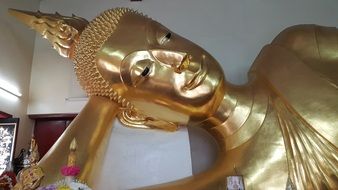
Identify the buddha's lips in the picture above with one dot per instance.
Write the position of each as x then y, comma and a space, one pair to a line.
198, 77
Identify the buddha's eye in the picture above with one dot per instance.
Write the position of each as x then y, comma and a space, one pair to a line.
168, 35
146, 71
140, 71
165, 38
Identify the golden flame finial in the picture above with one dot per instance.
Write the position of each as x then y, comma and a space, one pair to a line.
61, 31
72, 154
73, 145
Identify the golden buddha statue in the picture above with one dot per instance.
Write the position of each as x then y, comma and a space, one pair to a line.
281, 126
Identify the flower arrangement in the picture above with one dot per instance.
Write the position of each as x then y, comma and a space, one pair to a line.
70, 170
64, 185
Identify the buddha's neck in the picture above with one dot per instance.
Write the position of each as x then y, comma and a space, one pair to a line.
238, 117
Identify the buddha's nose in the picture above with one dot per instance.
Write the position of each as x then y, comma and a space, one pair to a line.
177, 60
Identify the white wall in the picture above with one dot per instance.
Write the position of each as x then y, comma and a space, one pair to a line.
16, 51
138, 158
52, 82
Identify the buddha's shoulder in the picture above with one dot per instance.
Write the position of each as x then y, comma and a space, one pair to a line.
306, 83
309, 41
307, 46
309, 50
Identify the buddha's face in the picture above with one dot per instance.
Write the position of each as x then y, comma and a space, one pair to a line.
163, 74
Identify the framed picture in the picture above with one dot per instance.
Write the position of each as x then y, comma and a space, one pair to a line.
8, 132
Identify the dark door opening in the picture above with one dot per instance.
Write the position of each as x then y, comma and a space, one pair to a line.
4, 115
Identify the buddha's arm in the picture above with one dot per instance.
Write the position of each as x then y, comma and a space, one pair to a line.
90, 128
316, 45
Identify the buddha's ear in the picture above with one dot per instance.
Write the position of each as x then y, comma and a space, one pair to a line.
61, 31
130, 118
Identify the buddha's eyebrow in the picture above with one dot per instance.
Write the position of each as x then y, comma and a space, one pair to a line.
150, 33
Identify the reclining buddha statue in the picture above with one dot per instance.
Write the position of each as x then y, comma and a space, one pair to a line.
281, 126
